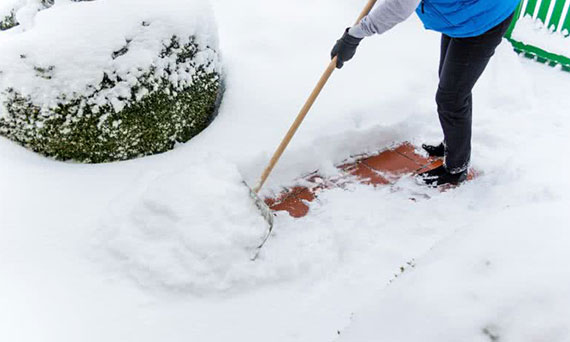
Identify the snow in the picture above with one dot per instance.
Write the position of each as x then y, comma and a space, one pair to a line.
488, 258
38, 61
534, 32
176, 234
484, 284
7, 6
25, 13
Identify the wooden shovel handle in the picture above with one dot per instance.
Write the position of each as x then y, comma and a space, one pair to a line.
306, 108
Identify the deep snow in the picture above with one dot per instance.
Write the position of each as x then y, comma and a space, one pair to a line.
489, 256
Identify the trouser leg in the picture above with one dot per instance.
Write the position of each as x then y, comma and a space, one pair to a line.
464, 61
445, 40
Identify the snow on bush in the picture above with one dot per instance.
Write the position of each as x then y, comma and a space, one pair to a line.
16, 12
193, 230
8, 9
108, 80
8, 13
534, 32
7, 20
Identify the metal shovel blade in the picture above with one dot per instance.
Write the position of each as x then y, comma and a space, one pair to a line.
265, 212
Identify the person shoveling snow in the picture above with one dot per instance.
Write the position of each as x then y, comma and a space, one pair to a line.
471, 31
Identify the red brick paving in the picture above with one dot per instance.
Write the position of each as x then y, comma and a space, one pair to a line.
377, 170
365, 174
392, 162
293, 205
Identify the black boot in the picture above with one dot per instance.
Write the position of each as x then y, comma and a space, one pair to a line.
440, 176
434, 151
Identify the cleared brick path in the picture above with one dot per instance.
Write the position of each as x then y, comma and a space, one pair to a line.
377, 170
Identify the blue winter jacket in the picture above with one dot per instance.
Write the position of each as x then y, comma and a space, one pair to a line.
464, 18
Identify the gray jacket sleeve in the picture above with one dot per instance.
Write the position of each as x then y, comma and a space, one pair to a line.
386, 14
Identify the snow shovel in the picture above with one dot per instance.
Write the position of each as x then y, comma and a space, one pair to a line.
263, 208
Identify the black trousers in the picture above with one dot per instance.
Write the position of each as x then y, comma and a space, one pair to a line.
462, 62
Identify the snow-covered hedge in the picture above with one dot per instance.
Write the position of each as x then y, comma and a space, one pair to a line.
108, 80
10, 10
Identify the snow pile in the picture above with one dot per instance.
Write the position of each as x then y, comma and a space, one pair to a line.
534, 32
109, 79
193, 230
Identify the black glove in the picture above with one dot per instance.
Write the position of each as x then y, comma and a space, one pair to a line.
345, 48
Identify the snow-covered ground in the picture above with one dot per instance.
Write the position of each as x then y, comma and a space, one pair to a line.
99, 253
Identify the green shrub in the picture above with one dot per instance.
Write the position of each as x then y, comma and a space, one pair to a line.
158, 114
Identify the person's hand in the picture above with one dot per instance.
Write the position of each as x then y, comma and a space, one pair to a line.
345, 48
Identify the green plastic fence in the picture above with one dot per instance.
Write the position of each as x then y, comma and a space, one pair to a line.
553, 14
